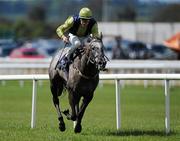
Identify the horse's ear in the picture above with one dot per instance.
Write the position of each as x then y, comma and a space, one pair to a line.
101, 35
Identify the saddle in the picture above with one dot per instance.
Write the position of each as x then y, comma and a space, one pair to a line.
63, 63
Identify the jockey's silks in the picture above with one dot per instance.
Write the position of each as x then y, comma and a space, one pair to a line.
77, 22
72, 25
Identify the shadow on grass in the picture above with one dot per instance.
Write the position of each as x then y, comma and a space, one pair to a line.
139, 133
134, 132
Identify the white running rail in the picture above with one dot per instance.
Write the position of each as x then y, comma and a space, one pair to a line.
117, 78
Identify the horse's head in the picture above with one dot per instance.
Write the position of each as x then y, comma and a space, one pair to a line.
96, 53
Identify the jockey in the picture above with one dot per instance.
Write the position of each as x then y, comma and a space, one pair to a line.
78, 27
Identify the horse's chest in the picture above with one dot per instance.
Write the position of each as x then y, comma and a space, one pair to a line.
84, 86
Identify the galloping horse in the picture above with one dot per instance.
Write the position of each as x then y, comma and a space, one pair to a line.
81, 82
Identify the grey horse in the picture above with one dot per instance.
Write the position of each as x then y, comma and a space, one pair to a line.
80, 82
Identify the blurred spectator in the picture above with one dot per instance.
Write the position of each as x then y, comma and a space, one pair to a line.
117, 50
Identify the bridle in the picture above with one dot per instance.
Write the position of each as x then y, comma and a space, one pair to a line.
96, 54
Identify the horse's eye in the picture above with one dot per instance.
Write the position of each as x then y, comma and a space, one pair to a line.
94, 49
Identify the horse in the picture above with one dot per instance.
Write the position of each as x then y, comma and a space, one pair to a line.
82, 80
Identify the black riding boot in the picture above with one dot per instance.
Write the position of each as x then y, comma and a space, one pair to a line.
70, 57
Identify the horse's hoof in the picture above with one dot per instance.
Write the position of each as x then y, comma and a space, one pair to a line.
62, 127
78, 128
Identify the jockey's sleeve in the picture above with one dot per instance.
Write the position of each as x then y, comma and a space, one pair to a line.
95, 31
65, 27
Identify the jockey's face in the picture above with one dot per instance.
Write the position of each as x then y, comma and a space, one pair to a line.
84, 22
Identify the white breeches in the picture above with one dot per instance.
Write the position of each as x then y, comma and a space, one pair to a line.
76, 41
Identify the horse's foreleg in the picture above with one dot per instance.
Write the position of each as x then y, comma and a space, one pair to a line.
73, 101
77, 108
56, 104
80, 114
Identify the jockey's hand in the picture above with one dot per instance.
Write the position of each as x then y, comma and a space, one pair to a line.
80, 49
65, 39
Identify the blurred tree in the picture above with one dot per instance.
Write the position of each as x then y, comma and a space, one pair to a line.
42, 30
5, 28
22, 30
35, 26
128, 13
96, 6
37, 13
38, 29
168, 14
31, 30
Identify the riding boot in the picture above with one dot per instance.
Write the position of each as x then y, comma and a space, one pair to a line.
70, 57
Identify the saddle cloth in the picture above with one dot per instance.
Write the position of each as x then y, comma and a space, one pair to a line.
61, 64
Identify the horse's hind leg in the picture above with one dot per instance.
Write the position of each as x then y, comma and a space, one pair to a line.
55, 91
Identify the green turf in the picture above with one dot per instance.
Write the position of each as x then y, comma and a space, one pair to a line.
142, 112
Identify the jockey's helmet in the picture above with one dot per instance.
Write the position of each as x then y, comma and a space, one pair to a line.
85, 13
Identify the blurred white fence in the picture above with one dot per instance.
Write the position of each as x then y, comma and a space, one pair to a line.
21, 66
39, 66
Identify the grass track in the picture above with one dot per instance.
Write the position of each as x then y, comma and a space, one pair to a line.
142, 115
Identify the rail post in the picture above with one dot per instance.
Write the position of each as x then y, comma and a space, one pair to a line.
167, 107
118, 108
34, 95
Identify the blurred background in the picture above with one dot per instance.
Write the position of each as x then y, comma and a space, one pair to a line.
133, 30
136, 26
